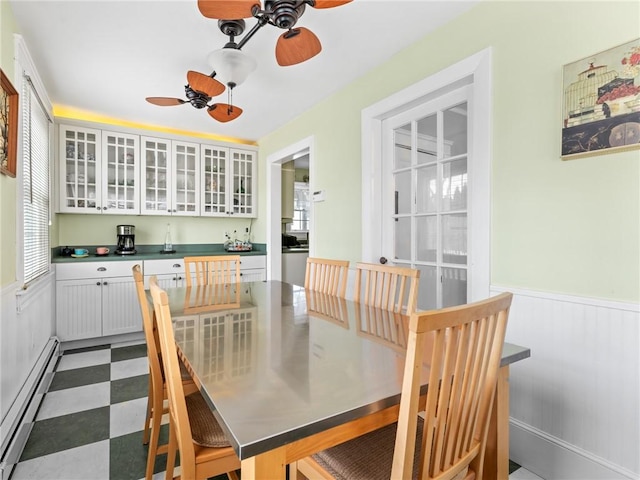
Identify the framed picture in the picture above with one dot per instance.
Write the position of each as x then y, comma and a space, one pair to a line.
8, 126
601, 102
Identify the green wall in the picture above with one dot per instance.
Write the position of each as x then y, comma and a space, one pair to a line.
7, 184
558, 226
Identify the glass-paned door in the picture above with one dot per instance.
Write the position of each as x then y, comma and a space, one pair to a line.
120, 159
156, 176
213, 185
186, 179
426, 185
80, 149
243, 183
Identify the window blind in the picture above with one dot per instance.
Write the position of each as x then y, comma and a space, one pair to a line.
35, 202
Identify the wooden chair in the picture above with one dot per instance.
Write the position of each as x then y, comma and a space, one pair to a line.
462, 346
207, 270
157, 387
193, 430
327, 276
387, 287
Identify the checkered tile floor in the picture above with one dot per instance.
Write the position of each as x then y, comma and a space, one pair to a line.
89, 425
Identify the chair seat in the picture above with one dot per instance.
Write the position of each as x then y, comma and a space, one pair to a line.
366, 457
205, 429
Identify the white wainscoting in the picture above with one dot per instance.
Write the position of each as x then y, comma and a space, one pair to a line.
575, 404
27, 351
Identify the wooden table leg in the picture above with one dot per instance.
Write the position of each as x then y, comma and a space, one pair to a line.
269, 465
496, 456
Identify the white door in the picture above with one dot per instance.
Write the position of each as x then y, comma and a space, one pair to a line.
425, 191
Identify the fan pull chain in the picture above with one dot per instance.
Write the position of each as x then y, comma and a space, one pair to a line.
230, 101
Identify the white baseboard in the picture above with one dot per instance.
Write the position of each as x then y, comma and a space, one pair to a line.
553, 459
17, 423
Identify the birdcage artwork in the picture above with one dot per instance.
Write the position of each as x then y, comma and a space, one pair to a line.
601, 102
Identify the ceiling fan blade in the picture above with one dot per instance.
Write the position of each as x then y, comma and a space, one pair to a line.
165, 101
204, 83
330, 3
223, 112
227, 9
296, 46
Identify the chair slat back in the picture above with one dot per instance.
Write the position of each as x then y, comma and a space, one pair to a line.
212, 269
327, 276
383, 326
175, 390
466, 344
150, 333
386, 286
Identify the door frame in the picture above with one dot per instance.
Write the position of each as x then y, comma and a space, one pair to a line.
475, 71
274, 203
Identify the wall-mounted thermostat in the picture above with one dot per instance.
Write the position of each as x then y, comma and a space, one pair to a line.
318, 196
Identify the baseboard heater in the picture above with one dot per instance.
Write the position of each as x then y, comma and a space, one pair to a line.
17, 423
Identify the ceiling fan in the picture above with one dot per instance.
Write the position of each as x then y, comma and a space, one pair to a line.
199, 91
294, 46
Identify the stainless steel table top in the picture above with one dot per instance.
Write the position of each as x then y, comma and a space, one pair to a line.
277, 363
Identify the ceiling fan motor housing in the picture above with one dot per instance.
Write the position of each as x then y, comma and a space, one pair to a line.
197, 99
284, 13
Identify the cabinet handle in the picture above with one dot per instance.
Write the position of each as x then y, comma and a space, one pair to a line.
98, 283
179, 278
176, 265
104, 208
104, 283
169, 211
102, 269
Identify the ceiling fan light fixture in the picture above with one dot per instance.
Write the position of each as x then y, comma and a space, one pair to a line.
231, 65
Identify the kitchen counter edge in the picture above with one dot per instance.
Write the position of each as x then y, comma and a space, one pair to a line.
152, 252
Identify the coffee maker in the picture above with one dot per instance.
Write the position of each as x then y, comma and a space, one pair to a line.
126, 237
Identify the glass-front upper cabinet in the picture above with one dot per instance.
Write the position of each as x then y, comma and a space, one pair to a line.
120, 173
156, 176
170, 174
186, 179
243, 181
80, 182
214, 163
228, 182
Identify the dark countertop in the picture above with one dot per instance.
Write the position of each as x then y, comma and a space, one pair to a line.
152, 252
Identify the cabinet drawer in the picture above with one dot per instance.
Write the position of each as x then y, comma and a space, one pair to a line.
70, 271
253, 261
168, 265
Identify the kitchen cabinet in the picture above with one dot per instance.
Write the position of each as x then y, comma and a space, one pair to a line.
170, 272
99, 171
96, 299
170, 174
228, 182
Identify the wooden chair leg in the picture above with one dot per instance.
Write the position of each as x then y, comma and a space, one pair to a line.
147, 422
171, 454
157, 412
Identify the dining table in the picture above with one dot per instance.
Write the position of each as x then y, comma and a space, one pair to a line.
289, 372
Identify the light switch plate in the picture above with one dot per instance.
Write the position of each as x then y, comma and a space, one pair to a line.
318, 196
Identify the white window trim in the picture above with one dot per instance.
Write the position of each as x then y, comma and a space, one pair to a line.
24, 65
478, 67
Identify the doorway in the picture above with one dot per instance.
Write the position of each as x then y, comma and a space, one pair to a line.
382, 213
274, 202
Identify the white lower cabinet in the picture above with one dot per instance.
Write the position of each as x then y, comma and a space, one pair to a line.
171, 272
96, 299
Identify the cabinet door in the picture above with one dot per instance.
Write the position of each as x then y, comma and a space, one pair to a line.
155, 176
214, 179
78, 309
120, 307
165, 280
120, 173
80, 180
186, 179
243, 183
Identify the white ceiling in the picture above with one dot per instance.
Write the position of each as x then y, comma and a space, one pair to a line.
106, 56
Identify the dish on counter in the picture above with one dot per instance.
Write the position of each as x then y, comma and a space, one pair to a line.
79, 256
102, 254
